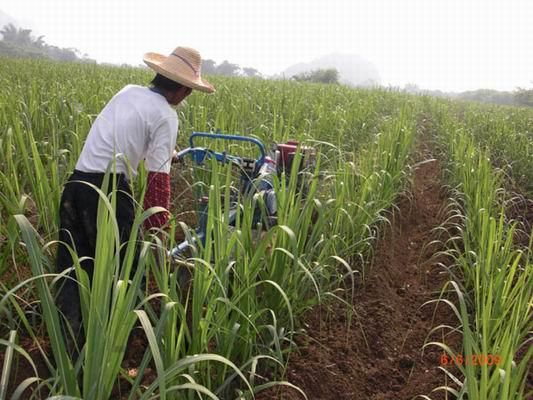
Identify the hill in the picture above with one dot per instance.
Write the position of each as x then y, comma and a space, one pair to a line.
353, 69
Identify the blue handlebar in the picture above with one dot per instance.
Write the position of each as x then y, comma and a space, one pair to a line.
257, 142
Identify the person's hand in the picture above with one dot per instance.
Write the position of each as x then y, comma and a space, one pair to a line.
176, 159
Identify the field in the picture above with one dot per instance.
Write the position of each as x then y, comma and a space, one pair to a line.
404, 270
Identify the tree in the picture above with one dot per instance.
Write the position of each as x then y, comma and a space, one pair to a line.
228, 69
524, 97
18, 36
39, 42
328, 76
251, 72
24, 37
411, 88
9, 33
209, 67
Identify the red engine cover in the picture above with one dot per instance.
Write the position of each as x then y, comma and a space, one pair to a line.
287, 148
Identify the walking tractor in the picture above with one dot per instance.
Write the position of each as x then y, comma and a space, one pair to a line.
256, 177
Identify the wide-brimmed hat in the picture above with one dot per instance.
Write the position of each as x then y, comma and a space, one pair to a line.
183, 65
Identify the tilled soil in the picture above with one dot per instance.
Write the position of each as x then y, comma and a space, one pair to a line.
379, 354
182, 203
520, 210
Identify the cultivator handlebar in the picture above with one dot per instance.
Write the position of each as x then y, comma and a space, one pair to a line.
199, 154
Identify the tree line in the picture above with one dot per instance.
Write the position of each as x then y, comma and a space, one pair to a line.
326, 75
522, 97
226, 68
19, 42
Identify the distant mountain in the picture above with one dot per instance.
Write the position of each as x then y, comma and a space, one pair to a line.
353, 69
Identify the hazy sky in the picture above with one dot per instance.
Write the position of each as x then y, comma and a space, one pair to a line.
437, 44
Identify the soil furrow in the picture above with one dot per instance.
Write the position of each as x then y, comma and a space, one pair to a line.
379, 354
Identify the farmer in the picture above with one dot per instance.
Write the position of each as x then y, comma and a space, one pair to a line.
138, 123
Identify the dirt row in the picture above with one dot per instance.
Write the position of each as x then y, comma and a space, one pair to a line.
378, 355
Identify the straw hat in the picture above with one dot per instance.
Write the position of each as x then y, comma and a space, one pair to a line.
183, 65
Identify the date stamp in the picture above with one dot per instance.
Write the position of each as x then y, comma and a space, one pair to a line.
478, 360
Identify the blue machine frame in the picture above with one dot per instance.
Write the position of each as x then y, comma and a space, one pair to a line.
199, 153
250, 172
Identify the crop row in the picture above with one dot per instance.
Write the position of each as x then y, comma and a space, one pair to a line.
490, 275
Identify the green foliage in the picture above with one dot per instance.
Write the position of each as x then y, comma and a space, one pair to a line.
489, 96
524, 97
491, 277
505, 132
329, 75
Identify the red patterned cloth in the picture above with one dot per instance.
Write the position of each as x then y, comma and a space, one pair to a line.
157, 195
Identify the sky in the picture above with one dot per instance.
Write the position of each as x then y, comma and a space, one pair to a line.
451, 45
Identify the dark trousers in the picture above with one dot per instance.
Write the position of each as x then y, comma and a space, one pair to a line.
78, 211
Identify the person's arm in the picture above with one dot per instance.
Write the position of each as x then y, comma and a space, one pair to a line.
157, 195
157, 161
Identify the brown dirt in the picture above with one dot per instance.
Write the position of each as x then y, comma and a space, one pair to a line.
182, 203
21, 368
379, 355
519, 209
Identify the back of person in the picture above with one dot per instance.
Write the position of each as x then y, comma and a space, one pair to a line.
137, 123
